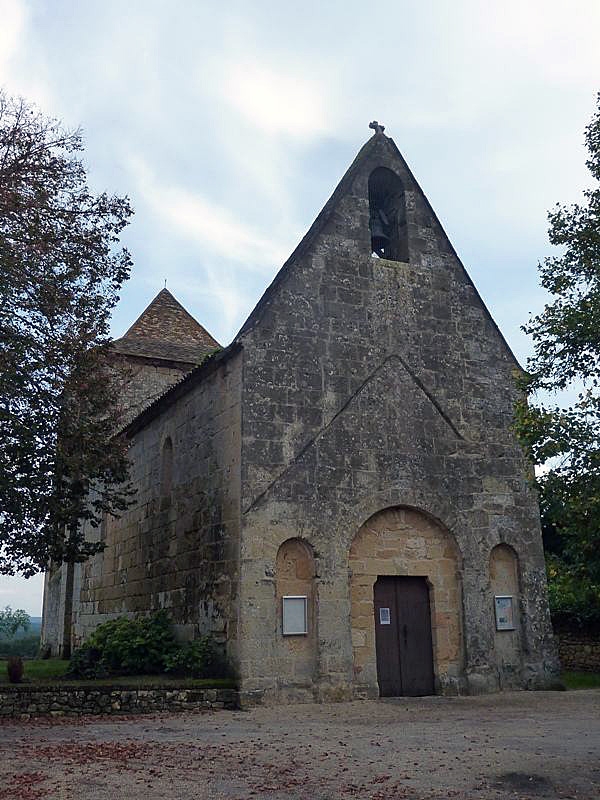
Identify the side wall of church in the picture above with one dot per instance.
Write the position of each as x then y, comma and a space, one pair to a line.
139, 382
177, 546
368, 385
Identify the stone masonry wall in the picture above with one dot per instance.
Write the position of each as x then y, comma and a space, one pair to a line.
24, 702
296, 655
372, 384
141, 381
579, 651
178, 551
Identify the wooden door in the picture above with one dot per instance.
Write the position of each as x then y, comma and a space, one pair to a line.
387, 641
403, 636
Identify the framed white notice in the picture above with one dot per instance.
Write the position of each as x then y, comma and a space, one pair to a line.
385, 616
294, 615
504, 608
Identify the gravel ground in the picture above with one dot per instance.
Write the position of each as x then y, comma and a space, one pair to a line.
513, 745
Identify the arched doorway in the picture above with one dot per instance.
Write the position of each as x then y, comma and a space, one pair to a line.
406, 605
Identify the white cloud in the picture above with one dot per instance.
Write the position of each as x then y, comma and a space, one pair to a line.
558, 40
20, 72
20, 593
13, 16
227, 250
221, 289
195, 217
277, 100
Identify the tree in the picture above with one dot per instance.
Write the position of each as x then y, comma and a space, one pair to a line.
60, 274
11, 621
566, 440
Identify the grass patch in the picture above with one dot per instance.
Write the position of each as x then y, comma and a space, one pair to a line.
50, 671
140, 681
581, 680
37, 670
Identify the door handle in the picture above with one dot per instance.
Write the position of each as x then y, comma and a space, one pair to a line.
405, 633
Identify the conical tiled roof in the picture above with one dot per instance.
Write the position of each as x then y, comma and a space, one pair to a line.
165, 330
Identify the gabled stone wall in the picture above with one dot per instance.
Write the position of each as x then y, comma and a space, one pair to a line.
373, 384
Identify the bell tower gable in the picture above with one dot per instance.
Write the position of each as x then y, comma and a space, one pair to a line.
377, 214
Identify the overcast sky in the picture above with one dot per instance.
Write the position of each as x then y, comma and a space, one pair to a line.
229, 125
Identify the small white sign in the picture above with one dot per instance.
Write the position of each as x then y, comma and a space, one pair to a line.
503, 606
294, 617
385, 616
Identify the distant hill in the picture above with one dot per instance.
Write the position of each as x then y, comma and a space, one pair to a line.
35, 628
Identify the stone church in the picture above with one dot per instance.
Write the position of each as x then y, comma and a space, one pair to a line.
337, 495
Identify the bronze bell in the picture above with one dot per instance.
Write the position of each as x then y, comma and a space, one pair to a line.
379, 238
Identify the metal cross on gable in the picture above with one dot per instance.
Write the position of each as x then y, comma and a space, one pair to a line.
376, 126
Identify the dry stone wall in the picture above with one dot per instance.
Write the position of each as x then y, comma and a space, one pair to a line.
579, 651
24, 702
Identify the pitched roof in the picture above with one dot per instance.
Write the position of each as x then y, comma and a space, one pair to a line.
165, 330
197, 375
379, 139
314, 229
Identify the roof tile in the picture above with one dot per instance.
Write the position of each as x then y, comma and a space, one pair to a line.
167, 331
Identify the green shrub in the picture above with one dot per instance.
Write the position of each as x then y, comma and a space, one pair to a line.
144, 646
574, 599
135, 646
86, 663
200, 659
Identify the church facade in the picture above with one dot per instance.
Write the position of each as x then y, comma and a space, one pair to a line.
337, 496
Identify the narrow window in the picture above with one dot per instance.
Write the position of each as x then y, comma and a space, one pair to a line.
387, 216
166, 469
